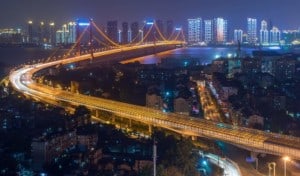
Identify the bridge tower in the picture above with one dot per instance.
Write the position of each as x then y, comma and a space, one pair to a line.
86, 24
91, 39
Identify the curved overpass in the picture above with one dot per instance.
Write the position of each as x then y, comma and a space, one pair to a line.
256, 140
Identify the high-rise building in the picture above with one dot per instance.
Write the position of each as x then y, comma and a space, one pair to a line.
264, 33
60, 37
67, 34
220, 34
238, 36
125, 30
120, 36
170, 29
134, 28
195, 31
129, 33
290, 36
208, 31
30, 32
112, 30
51, 33
275, 36
252, 30
71, 32
11, 36
41, 33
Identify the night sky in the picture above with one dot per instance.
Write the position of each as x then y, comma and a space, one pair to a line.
283, 13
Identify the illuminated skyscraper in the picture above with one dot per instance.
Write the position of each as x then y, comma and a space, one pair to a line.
220, 34
238, 36
120, 34
125, 31
134, 32
41, 32
112, 30
275, 36
51, 32
208, 31
252, 30
30, 32
195, 31
264, 33
59, 37
62, 35
71, 32
67, 34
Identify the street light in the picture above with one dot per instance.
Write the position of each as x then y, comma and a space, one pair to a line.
285, 159
270, 168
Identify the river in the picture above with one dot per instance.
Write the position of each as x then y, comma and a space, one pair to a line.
16, 56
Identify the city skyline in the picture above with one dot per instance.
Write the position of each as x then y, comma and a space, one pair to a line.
282, 15
114, 87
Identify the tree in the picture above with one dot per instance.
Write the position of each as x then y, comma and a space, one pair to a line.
176, 153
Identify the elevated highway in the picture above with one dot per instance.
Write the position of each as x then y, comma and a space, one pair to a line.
251, 139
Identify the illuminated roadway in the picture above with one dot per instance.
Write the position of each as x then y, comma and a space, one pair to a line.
230, 168
251, 139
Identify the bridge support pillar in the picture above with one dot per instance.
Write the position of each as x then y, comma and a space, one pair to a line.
150, 129
254, 156
130, 123
194, 138
113, 119
97, 113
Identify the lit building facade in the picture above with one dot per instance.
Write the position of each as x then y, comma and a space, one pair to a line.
291, 36
275, 36
42, 33
220, 34
208, 31
125, 30
264, 33
12, 36
67, 34
71, 32
195, 31
51, 32
112, 30
252, 30
30, 32
238, 36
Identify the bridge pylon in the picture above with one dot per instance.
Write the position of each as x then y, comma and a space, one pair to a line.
87, 24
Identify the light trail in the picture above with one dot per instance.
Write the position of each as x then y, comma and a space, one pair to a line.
230, 169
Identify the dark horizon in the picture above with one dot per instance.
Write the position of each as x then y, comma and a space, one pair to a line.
15, 13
